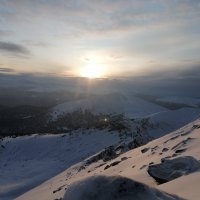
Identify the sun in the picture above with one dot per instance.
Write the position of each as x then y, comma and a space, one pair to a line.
92, 70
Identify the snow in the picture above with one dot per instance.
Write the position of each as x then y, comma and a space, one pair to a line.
169, 120
27, 161
110, 103
194, 102
133, 165
113, 188
186, 186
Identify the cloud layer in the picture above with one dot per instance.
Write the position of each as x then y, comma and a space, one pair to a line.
13, 48
135, 32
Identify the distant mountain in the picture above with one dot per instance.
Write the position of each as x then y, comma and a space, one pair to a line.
189, 101
129, 105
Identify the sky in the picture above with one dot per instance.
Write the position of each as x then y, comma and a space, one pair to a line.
105, 38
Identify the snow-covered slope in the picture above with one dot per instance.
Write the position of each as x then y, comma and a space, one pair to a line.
134, 165
114, 188
171, 120
110, 103
27, 161
194, 102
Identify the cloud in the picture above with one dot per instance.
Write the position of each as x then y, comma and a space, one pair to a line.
6, 70
13, 48
192, 72
138, 30
86, 15
42, 44
6, 33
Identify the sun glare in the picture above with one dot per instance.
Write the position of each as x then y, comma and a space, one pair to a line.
92, 70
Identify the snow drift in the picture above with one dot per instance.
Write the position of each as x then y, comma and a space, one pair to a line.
114, 188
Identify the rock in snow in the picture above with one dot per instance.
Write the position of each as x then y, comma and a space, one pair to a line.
114, 188
172, 169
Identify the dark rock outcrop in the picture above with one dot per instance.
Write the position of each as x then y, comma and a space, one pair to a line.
172, 169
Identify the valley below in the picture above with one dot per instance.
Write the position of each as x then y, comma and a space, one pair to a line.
95, 139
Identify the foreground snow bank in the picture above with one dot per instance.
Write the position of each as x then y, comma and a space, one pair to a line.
172, 169
114, 188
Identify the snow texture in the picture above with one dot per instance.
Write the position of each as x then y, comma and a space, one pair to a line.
133, 164
113, 188
27, 161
